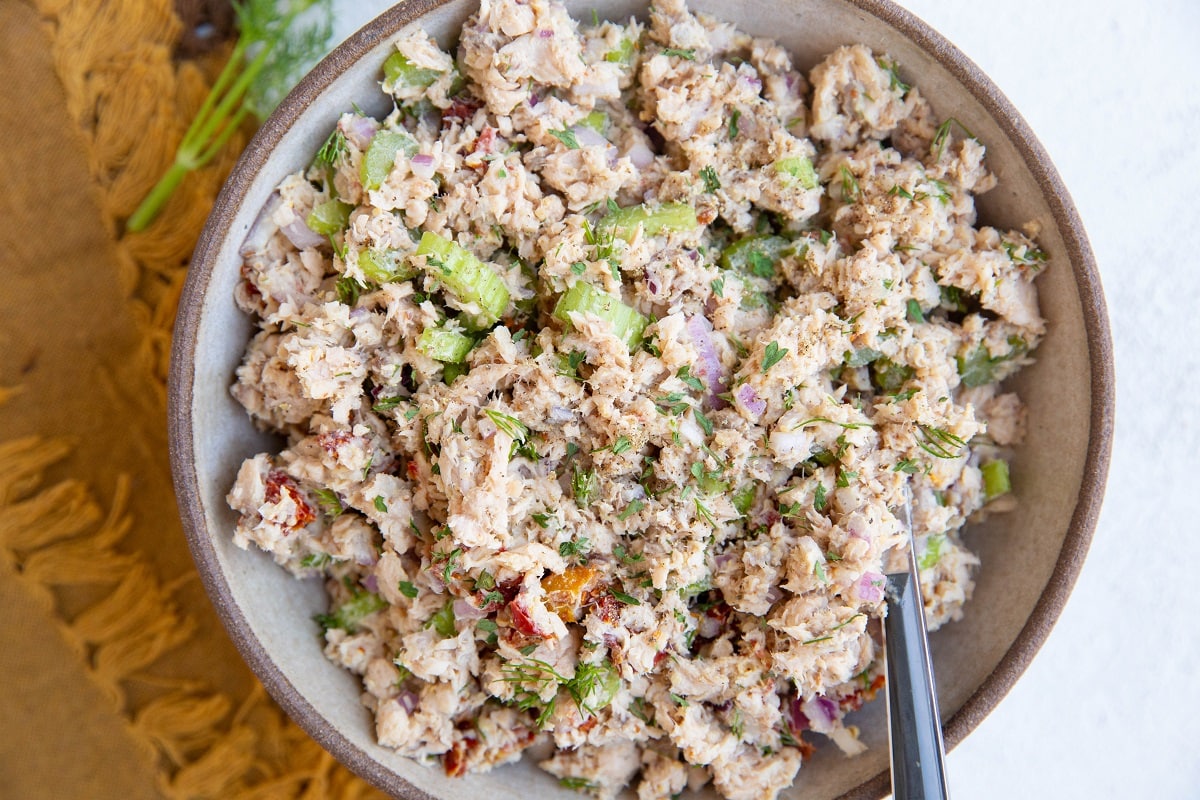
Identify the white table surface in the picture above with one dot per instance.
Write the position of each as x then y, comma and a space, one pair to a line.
1110, 708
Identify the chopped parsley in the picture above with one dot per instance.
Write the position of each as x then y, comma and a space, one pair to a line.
711, 181
567, 137
408, 589
689, 54
691, 381
772, 356
733, 123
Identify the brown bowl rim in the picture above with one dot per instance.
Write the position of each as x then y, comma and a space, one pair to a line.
1083, 521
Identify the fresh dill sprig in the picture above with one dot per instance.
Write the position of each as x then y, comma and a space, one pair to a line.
939, 442
276, 45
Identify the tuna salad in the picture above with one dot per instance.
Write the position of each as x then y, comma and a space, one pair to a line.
601, 365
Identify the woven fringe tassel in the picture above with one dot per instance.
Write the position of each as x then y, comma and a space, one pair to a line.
132, 104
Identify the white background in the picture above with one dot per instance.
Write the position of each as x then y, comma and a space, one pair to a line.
1111, 706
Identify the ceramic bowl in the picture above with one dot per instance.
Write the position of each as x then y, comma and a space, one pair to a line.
1031, 557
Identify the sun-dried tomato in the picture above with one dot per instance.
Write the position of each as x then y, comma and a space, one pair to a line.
280, 484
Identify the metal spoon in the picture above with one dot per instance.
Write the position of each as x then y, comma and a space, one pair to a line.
915, 726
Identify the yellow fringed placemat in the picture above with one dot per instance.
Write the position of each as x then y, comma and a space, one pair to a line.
119, 679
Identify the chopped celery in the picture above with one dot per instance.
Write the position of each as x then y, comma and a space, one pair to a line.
465, 276
932, 552
583, 298
381, 153
329, 217
995, 479
756, 254
743, 498
452, 371
890, 376
800, 169
978, 367
597, 121
383, 266
442, 344
348, 616
398, 70
624, 222
623, 54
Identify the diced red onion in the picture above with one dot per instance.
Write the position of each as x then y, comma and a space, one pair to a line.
560, 414
588, 137
422, 165
301, 236
870, 587
261, 229
723, 559
640, 154
751, 401
774, 593
366, 558
465, 609
360, 131
710, 370
533, 100
797, 719
546, 33
371, 583
408, 700
821, 713
651, 281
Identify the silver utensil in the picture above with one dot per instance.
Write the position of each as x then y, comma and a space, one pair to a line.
914, 724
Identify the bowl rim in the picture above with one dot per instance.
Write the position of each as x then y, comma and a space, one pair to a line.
1084, 518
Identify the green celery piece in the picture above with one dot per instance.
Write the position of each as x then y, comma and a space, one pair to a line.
381, 153
746, 254
445, 345
668, 217
597, 121
862, 357
383, 266
398, 70
329, 217
933, 551
465, 276
623, 54
978, 367
800, 169
626, 322
995, 479
352, 612
743, 498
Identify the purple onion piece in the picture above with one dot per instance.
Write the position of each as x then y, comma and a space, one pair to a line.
640, 154
751, 401
870, 587
709, 369
422, 166
371, 583
408, 700
261, 229
360, 131
465, 609
301, 236
545, 33
797, 719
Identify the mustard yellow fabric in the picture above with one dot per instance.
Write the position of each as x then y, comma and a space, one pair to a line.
117, 678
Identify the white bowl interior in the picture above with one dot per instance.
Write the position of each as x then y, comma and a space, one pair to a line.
1019, 550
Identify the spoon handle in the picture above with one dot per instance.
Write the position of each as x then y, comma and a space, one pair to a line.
918, 769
